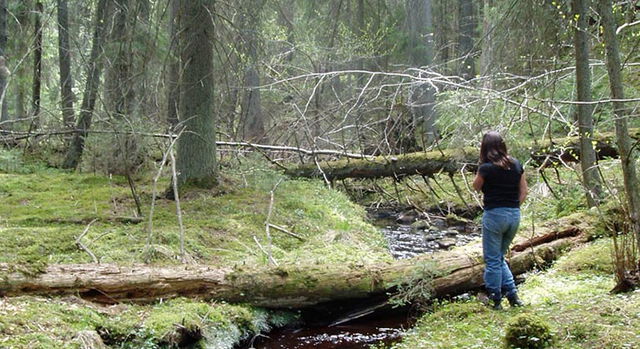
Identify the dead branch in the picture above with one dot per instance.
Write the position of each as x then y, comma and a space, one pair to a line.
82, 246
176, 196
279, 228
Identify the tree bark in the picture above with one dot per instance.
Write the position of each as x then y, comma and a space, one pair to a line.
94, 71
486, 57
118, 80
621, 115
4, 71
285, 19
173, 75
421, 49
467, 25
197, 162
588, 162
458, 271
37, 67
64, 54
451, 160
252, 114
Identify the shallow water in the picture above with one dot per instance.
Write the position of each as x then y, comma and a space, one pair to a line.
381, 326
406, 242
354, 335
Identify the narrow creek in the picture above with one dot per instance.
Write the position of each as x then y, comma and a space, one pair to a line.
355, 326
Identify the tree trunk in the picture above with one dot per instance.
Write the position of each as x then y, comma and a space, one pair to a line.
173, 74
94, 71
451, 160
4, 71
421, 48
467, 25
285, 19
253, 117
459, 270
590, 174
621, 115
37, 67
486, 57
120, 87
118, 80
252, 114
66, 78
197, 162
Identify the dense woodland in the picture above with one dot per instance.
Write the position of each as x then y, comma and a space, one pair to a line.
205, 151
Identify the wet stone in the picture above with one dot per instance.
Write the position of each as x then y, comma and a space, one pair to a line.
447, 242
439, 223
423, 236
451, 233
420, 225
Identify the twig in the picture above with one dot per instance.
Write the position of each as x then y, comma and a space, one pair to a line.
134, 193
264, 251
267, 224
459, 192
177, 199
277, 227
19, 135
100, 236
324, 176
466, 183
82, 246
154, 195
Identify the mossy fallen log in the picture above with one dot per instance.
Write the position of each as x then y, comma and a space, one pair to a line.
451, 161
420, 163
455, 271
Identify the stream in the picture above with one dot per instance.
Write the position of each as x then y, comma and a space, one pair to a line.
373, 323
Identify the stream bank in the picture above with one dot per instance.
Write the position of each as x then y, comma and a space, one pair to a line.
359, 324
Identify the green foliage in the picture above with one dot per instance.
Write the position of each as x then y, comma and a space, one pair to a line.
12, 161
528, 331
416, 288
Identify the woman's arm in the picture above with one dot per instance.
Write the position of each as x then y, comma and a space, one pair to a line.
478, 182
523, 188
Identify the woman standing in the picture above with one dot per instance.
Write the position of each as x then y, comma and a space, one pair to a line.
502, 181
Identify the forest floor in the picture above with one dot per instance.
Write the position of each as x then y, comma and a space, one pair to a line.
571, 297
43, 211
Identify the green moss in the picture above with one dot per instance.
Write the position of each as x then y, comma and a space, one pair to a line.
528, 331
572, 297
592, 258
41, 212
29, 322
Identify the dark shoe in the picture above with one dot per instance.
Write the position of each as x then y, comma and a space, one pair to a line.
514, 301
489, 302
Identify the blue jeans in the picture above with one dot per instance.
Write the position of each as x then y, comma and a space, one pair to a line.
499, 226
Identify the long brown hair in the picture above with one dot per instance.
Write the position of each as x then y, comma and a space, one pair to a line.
494, 150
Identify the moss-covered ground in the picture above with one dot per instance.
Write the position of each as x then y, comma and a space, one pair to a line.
572, 296
32, 322
43, 211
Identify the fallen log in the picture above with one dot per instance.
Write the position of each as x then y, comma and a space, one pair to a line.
545, 153
420, 163
455, 271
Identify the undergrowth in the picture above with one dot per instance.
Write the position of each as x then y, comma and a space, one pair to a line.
572, 297
42, 214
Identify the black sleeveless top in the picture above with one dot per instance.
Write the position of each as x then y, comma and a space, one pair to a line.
501, 187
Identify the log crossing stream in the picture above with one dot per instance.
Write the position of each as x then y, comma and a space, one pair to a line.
361, 325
